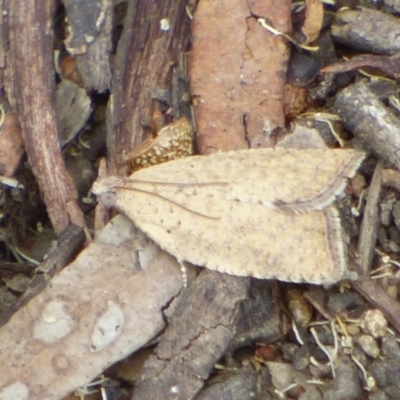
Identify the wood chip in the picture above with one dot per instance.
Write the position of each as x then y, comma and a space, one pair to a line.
264, 213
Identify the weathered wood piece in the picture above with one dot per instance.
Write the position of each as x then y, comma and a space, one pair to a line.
373, 124
96, 311
89, 38
191, 345
367, 30
370, 222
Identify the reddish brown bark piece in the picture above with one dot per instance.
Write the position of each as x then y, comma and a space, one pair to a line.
238, 73
31, 87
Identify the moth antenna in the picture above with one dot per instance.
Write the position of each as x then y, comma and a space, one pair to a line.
176, 183
166, 199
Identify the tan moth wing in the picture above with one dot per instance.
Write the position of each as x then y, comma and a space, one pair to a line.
241, 238
228, 211
296, 180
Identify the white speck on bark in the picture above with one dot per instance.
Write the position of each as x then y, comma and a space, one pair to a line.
54, 323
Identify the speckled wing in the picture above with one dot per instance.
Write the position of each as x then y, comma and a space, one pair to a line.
241, 238
265, 213
296, 180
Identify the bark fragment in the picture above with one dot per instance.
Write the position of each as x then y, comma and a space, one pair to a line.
200, 330
89, 38
367, 30
89, 317
30, 85
373, 124
144, 61
238, 81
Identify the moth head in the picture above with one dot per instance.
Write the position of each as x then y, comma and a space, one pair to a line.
104, 189
108, 199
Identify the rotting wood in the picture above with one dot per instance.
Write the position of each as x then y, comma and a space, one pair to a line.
31, 88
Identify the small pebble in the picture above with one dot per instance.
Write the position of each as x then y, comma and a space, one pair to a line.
386, 373
374, 323
346, 385
394, 234
386, 207
288, 351
390, 348
300, 309
301, 358
341, 301
378, 395
369, 345
396, 213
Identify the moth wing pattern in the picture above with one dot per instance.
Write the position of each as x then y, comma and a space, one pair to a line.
241, 238
296, 180
265, 213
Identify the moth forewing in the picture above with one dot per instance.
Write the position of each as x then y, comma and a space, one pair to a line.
303, 180
245, 239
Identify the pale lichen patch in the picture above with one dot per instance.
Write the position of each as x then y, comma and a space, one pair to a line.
15, 391
108, 327
54, 323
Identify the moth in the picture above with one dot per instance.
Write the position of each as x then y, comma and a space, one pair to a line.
265, 213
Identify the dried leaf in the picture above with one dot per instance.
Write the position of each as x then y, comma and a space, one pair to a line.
173, 141
11, 144
73, 109
390, 65
313, 22
264, 213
